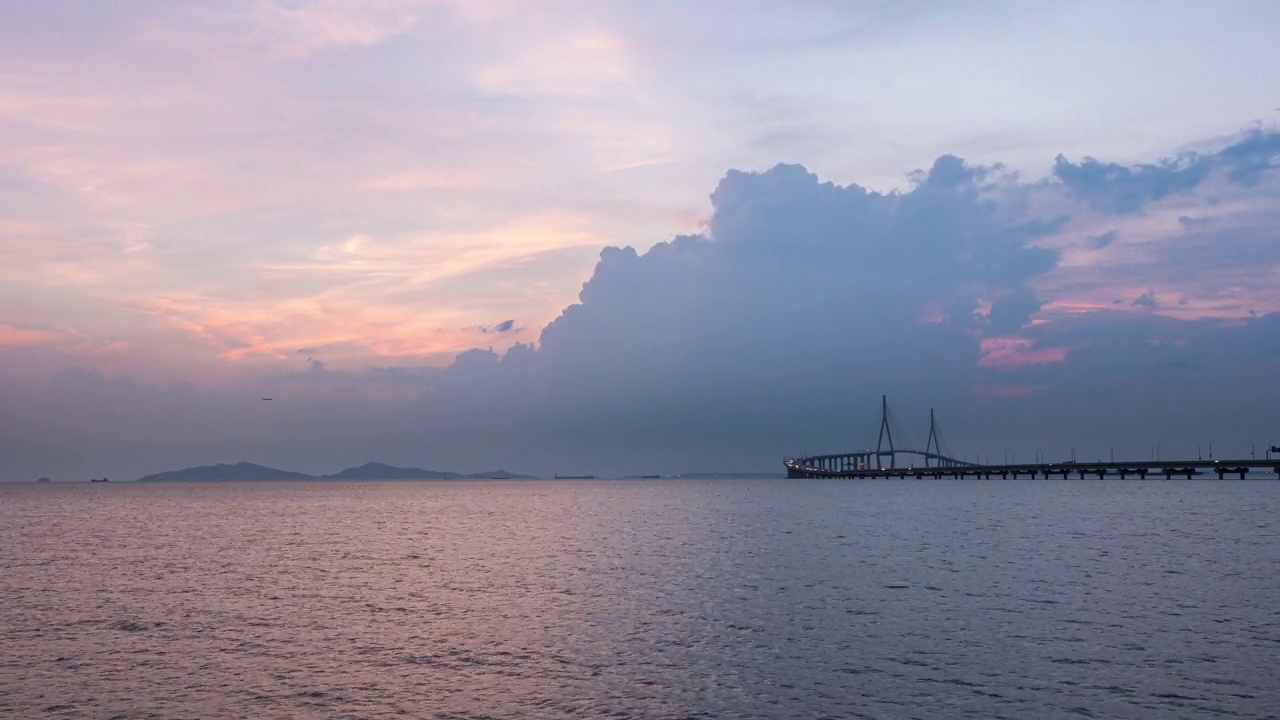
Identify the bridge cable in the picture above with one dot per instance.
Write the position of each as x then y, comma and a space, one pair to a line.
906, 441
944, 448
866, 432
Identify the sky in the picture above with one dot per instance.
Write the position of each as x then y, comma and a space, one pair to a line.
632, 237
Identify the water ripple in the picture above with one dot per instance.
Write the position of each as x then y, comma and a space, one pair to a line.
641, 599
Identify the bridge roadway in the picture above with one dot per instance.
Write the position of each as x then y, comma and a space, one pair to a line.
862, 466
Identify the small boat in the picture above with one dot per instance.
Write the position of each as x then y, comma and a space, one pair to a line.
98, 480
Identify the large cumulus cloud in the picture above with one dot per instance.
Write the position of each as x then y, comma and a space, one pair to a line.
777, 330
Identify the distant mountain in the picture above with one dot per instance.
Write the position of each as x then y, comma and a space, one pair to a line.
224, 472
378, 471
495, 475
368, 471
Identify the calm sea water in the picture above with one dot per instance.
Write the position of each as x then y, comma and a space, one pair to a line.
880, 599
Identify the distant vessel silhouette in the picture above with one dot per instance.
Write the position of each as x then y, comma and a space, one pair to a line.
575, 477
98, 480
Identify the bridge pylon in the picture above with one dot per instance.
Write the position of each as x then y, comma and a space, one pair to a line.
933, 440
885, 431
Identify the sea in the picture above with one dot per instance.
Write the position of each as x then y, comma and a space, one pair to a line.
719, 598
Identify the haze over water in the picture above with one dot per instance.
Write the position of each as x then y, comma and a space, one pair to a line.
664, 598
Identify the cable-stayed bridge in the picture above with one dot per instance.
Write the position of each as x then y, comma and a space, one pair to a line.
936, 461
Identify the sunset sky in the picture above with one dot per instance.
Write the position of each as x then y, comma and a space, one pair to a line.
1056, 222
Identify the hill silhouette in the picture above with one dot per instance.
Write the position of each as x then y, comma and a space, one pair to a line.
225, 472
244, 471
379, 471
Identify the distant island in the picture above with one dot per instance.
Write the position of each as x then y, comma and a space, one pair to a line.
249, 472
378, 471
224, 472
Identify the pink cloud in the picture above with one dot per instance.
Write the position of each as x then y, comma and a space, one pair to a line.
1172, 259
1005, 353
11, 336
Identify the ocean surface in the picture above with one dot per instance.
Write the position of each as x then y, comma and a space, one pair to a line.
641, 598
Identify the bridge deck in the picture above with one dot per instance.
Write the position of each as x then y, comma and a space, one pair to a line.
931, 463
833, 466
